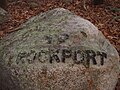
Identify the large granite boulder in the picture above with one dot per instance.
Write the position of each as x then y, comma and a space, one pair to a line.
57, 50
3, 16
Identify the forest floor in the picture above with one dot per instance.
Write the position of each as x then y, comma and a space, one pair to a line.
106, 16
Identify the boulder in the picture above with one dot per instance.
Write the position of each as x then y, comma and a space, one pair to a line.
58, 50
3, 16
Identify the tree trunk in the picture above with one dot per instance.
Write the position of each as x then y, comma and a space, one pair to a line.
3, 4
98, 2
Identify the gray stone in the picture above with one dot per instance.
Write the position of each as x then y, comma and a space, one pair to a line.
3, 15
57, 50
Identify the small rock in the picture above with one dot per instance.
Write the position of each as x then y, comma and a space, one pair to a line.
3, 16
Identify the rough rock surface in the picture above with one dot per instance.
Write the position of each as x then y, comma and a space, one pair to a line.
57, 50
3, 15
